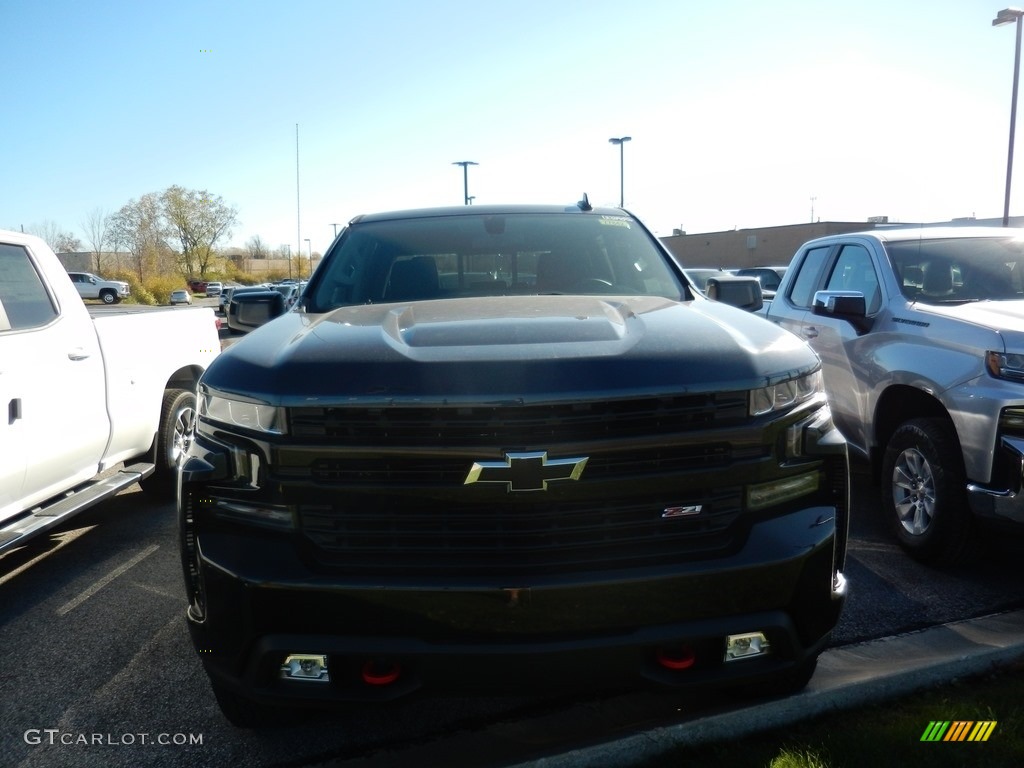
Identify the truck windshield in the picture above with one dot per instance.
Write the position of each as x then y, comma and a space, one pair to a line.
451, 256
959, 270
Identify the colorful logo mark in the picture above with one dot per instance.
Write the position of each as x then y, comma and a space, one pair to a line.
959, 730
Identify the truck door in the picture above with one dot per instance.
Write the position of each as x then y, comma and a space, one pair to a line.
14, 352
54, 402
790, 310
846, 353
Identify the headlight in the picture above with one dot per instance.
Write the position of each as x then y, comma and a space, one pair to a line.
1005, 366
785, 395
247, 414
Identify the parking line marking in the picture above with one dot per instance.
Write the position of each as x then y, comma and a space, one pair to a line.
65, 539
101, 583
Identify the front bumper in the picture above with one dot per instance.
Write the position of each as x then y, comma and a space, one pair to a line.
1003, 504
668, 627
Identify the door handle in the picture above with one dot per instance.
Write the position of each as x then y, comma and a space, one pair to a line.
78, 353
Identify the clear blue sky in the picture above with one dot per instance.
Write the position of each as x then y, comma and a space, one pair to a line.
740, 112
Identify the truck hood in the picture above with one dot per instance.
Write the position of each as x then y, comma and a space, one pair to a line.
509, 349
997, 315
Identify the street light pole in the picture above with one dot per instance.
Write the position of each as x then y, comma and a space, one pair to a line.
621, 141
465, 178
1009, 16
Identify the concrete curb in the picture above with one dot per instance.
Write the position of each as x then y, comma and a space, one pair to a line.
847, 677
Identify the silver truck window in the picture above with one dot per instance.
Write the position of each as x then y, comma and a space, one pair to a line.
806, 283
959, 270
854, 271
24, 302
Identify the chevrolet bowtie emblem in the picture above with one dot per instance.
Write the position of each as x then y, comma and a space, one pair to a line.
526, 471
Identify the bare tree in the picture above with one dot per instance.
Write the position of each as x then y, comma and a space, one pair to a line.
256, 248
59, 240
140, 228
197, 220
97, 229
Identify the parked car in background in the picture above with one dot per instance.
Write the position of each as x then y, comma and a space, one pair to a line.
701, 275
196, 285
91, 286
290, 291
213, 289
768, 277
181, 296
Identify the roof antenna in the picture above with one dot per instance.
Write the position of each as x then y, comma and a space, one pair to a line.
584, 204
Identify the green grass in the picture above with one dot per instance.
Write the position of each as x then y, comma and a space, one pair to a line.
888, 734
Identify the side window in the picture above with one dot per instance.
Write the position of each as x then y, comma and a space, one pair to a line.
806, 283
855, 272
24, 302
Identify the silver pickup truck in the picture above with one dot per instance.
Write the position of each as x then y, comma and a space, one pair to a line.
921, 336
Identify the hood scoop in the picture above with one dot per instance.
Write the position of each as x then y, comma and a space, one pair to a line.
426, 325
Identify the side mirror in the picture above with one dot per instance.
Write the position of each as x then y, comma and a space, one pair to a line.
248, 311
845, 305
742, 292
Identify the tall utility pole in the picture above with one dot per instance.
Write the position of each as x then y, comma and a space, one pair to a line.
298, 207
1009, 16
335, 229
812, 208
465, 179
621, 141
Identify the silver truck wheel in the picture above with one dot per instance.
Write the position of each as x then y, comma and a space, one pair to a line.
913, 491
109, 297
924, 492
177, 421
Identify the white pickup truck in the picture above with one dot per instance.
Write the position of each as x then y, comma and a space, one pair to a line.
88, 404
92, 287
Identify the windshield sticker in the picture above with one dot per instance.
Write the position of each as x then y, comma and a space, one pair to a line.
615, 221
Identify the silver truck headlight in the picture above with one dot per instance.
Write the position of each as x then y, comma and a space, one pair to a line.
786, 395
1005, 366
247, 414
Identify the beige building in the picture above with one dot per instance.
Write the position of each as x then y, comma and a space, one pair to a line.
762, 247
775, 246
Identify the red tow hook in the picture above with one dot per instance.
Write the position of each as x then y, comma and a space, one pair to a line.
381, 672
680, 657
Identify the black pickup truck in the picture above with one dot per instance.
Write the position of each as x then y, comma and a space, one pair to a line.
507, 448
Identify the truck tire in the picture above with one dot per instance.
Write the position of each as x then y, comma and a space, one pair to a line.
108, 296
177, 420
924, 495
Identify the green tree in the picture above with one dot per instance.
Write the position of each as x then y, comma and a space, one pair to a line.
197, 220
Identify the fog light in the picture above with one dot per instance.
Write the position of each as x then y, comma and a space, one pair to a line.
746, 646
305, 666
